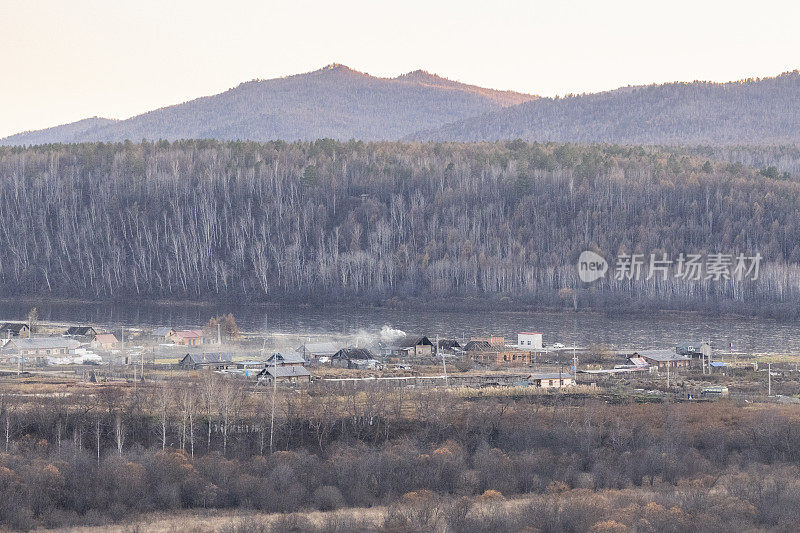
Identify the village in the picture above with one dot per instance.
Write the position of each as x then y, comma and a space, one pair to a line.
92, 354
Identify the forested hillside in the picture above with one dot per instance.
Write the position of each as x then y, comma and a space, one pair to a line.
329, 221
335, 102
754, 111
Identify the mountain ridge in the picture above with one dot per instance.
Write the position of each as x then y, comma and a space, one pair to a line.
334, 101
752, 111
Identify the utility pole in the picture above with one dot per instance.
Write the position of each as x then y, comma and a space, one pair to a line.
444, 363
667, 374
769, 379
574, 362
219, 334
274, 392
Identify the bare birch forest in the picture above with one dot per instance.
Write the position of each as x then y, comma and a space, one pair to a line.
329, 221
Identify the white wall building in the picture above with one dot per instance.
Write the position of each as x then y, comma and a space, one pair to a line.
529, 341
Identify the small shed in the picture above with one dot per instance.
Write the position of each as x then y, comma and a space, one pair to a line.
352, 358
549, 381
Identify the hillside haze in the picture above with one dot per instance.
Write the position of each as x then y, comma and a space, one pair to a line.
333, 102
755, 111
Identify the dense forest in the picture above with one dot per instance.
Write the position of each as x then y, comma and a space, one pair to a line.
359, 222
438, 462
336, 102
753, 111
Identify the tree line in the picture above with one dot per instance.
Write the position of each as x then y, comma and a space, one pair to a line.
369, 222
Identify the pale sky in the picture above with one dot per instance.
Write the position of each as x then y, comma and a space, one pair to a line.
63, 60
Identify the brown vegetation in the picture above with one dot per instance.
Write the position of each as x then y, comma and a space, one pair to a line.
432, 459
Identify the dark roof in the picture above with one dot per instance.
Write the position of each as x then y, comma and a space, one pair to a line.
449, 344
81, 330
478, 346
411, 340
13, 327
285, 371
353, 353
207, 358
162, 331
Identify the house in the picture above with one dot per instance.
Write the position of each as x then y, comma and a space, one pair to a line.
353, 358
188, 337
216, 361
550, 381
291, 359
637, 361
450, 346
14, 329
694, 350
315, 350
412, 346
477, 346
293, 375
104, 341
38, 348
86, 333
664, 358
529, 341
162, 334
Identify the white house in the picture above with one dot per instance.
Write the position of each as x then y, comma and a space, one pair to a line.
529, 341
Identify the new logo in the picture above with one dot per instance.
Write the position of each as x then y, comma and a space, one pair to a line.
591, 266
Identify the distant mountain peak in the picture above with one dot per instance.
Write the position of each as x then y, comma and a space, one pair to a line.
419, 74
334, 101
338, 68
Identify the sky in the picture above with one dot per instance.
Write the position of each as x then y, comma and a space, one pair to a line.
67, 60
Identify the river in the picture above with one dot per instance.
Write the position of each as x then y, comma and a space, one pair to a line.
749, 335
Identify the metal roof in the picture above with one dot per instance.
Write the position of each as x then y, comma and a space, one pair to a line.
563, 375
43, 343
318, 348
208, 358
662, 355
354, 353
291, 358
285, 371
